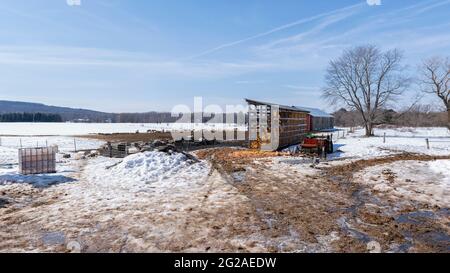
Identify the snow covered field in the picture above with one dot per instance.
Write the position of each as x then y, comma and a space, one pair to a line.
76, 129
412, 140
9, 146
9, 158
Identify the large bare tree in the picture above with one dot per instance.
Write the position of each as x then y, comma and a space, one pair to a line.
436, 80
365, 79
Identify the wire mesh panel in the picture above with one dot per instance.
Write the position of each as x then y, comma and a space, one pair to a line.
37, 160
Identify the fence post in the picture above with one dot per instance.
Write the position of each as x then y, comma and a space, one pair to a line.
384, 138
0, 141
75, 144
428, 143
324, 152
20, 142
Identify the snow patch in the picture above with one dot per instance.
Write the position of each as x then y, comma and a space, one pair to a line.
425, 182
151, 166
442, 167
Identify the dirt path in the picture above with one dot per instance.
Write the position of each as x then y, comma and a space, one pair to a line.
327, 204
295, 209
397, 226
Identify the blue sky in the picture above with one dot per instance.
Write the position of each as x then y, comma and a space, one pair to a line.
142, 55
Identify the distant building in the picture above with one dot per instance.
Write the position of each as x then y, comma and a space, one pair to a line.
81, 120
318, 120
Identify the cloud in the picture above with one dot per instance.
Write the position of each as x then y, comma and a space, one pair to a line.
301, 87
274, 30
323, 24
373, 2
427, 7
311, 49
250, 82
113, 59
308, 50
73, 2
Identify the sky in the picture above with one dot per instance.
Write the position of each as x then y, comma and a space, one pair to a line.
145, 55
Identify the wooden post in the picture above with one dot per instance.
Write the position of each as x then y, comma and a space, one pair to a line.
384, 138
75, 144
110, 150
0, 141
324, 152
20, 142
428, 143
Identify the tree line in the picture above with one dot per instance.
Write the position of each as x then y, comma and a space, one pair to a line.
420, 115
30, 117
367, 80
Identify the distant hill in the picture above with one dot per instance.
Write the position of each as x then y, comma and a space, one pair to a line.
67, 114
85, 115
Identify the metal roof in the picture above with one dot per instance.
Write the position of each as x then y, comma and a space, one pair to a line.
315, 112
291, 108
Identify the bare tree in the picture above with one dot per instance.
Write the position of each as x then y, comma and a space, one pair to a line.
436, 80
365, 79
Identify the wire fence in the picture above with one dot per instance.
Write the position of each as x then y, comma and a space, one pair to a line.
67, 144
343, 133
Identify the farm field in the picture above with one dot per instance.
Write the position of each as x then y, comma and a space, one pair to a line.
78, 129
371, 195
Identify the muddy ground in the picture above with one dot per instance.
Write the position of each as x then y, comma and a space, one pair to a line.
130, 137
250, 202
134, 137
329, 202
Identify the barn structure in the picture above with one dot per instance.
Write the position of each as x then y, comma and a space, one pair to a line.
318, 120
273, 126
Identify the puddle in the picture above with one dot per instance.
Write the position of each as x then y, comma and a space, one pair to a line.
238, 176
342, 222
404, 248
416, 217
444, 212
54, 238
3, 202
297, 161
437, 239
